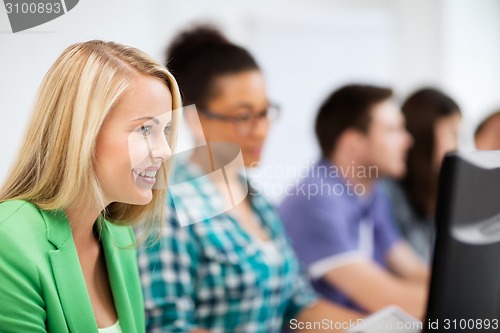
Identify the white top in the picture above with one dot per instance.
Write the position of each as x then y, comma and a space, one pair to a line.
115, 328
270, 251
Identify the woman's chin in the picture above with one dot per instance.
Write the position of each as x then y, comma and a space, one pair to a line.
251, 162
143, 198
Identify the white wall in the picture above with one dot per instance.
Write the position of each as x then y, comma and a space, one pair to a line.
471, 58
306, 48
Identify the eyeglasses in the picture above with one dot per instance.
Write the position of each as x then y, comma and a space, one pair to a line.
244, 124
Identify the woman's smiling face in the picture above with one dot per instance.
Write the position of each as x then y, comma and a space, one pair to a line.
132, 143
241, 94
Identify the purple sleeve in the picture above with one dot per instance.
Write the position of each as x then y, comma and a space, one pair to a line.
317, 228
386, 233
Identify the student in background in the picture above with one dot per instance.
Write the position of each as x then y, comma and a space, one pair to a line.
487, 134
234, 272
339, 219
85, 171
433, 119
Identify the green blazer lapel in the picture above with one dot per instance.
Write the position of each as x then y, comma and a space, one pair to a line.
68, 275
124, 308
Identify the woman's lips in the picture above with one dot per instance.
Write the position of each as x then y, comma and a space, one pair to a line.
147, 175
255, 151
147, 180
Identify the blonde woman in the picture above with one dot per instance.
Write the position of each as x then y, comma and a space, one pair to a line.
102, 126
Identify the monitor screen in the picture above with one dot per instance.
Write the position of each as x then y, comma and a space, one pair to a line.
465, 285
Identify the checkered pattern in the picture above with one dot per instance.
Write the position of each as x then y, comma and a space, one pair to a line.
212, 275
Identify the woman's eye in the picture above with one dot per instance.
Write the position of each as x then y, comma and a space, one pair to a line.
167, 130
243, 119
145, 130
263, 114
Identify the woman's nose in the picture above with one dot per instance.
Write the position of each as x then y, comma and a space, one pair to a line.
160, 148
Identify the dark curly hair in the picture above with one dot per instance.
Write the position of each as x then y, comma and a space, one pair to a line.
200, 55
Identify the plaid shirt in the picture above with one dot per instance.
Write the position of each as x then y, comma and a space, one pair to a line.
212, 275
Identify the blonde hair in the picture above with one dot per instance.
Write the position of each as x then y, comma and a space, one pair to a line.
57, 157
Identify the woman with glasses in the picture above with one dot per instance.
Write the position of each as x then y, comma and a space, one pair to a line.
235, 271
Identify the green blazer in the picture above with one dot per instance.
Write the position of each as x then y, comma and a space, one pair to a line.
42, 288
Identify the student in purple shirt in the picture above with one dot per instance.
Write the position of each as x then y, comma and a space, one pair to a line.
338, 218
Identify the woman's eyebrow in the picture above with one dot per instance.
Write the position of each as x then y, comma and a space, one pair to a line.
246, 105
154, 119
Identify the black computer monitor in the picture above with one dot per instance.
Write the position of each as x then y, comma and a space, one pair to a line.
465, 285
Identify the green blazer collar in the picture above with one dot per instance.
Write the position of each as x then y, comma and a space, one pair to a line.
123, 306
58, 228
70, 281
68, 274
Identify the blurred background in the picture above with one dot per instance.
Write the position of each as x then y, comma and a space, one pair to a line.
306, 48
